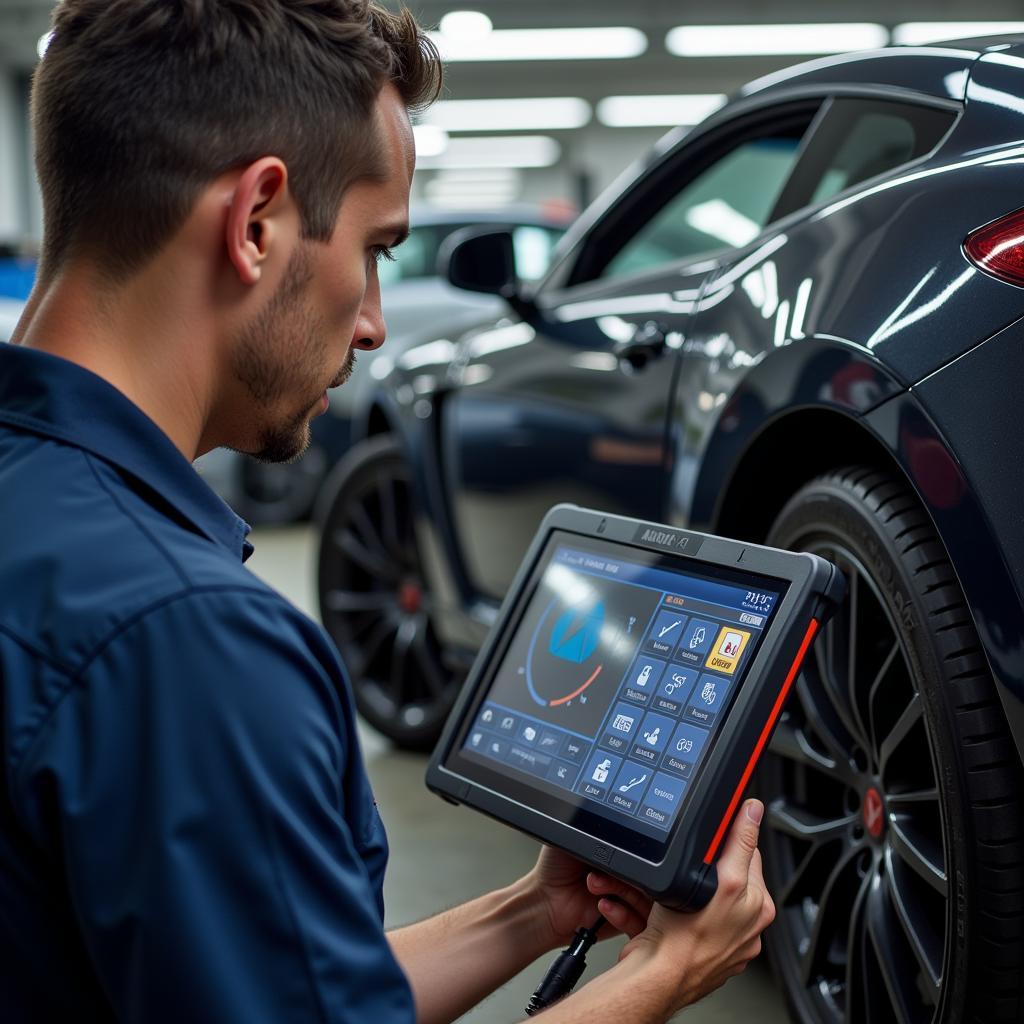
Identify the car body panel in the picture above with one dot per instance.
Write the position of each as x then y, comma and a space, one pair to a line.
857, 314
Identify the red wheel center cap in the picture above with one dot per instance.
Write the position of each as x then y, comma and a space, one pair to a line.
873, 812
409, 597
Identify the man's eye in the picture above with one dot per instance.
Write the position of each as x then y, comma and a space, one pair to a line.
382, 252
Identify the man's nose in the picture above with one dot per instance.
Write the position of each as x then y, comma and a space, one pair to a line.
370, 327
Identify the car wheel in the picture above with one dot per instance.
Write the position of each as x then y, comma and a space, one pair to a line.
374, 597
273, 494
893, 832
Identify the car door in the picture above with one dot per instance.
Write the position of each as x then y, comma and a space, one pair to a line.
571, 403
783, 287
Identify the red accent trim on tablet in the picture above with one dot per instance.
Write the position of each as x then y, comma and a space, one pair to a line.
723, 827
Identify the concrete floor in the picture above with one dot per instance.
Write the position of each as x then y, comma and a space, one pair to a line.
442, 855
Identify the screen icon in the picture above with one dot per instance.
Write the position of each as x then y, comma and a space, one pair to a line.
644, 677
623, 723
577, 633
708, 694
601, 769
636, 780
653, 736
728, 649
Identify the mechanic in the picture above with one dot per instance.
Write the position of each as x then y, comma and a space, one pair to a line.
186, 828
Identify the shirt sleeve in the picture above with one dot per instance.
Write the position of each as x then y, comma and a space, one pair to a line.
202, 786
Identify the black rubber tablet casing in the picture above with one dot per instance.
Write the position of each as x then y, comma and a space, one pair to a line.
685, 878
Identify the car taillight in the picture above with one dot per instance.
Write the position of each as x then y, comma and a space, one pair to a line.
998, 248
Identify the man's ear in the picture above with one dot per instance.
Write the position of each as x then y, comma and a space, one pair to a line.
258, 217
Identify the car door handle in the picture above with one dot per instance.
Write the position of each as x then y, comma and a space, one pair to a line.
646, 345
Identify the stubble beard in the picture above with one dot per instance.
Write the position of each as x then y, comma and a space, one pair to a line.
280, 354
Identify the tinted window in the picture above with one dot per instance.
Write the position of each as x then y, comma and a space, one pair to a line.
859, 139
726, 205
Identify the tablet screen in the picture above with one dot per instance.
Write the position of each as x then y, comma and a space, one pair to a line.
603, 700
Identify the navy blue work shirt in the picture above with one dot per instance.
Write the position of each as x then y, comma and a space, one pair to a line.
186, 828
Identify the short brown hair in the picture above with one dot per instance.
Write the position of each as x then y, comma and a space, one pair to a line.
139, 104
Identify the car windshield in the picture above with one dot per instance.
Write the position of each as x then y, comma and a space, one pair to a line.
417, 256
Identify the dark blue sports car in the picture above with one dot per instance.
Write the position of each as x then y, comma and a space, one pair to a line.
801, 323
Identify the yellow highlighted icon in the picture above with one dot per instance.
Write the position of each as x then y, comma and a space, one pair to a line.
727, 650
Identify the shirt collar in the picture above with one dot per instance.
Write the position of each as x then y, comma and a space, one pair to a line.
53, 397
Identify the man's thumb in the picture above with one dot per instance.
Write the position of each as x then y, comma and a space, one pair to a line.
742, 841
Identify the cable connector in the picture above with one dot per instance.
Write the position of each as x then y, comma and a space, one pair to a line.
565, 971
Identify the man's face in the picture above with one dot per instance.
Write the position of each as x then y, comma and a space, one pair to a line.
327, 305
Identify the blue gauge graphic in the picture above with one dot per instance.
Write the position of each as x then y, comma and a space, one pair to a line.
575, 637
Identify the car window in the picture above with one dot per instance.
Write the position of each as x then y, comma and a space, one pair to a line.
858, 139
416, 257
726, 205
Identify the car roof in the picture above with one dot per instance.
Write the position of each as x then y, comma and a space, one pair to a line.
923, 69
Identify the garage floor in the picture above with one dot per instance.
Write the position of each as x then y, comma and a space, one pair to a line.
443, 855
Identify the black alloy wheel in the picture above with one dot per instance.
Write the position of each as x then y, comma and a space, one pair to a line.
273, 494
375, 601
894, 837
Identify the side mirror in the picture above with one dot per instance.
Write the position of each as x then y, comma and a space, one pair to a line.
480, 259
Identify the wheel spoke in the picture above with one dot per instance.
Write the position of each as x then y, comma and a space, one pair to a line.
402, 682
822, 721
919, 936
434, 678
379, 566
857, 999
894, 959
853, 652
366, 528
832, 659
792, 743
371, 648
915, 853
916, 796
876, 685
801, 823
911, 716
832, 916
389, 518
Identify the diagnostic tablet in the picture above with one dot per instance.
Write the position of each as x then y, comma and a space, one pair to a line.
630, 682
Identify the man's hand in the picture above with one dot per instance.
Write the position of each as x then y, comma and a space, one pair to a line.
574, 896
708, 948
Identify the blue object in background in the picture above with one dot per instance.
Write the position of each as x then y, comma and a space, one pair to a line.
16, 278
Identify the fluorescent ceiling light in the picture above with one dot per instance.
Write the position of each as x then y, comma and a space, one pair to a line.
430, 140
920, 33
469, 24
543, 44
637, 111
496, 151
769, 40
508, 115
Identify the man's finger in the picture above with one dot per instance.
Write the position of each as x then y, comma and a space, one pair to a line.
742, 842
603, 885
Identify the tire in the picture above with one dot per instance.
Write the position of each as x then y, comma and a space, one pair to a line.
894, 727
274, 494
374, 597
